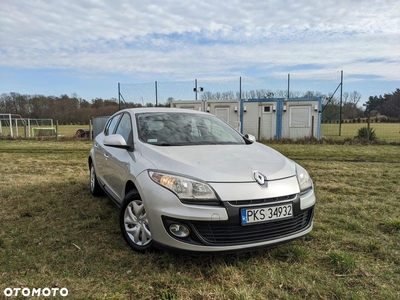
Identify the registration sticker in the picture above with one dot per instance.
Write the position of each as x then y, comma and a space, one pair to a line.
263, 214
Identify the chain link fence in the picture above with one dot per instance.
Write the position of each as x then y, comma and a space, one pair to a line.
281, 85
295, 85
328, 86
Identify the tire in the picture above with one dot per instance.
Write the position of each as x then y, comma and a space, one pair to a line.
134, 223
95, 188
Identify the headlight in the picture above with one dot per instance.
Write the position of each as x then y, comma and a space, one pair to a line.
184, 188
304, 179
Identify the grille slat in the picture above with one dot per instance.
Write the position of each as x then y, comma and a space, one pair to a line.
262, 201
223, 234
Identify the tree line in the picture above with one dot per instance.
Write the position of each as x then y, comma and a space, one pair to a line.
387, 105
75, 110
66, 109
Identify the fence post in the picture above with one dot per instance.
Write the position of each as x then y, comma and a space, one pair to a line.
195, 89
119, 97
57, 130
312, 128
240, 88
340, 107
90, 130
156, 94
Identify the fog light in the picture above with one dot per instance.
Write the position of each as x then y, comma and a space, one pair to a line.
179, 230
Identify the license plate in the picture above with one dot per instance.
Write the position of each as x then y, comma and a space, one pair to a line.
263, 214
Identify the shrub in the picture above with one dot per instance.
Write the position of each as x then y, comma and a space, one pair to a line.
366, 133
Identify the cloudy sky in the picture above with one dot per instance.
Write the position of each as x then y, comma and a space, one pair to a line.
88, 46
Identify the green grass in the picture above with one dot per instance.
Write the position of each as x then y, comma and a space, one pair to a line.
63, 130
389, 132
53, 233
342, 262
384, 131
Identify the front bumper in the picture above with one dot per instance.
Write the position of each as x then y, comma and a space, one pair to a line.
219, 228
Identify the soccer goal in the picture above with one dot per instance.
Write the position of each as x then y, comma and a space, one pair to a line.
11, 125
43, 132
40, 127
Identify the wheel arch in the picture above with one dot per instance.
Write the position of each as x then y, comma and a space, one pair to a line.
129, 186
90, 161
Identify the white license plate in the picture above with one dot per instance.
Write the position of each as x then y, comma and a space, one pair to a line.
263, 214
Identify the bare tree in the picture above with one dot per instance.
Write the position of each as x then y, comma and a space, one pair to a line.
354, 98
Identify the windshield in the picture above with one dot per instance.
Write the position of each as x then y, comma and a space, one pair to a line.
182, 129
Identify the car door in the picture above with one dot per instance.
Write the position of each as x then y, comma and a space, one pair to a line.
101, 152
119, 160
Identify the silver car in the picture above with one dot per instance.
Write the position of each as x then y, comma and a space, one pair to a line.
186, 180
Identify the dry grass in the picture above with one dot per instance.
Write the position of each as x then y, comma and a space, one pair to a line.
53, 233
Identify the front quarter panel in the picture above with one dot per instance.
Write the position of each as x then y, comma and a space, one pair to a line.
159, 202
97, 155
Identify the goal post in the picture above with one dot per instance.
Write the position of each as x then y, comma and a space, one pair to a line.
9, 124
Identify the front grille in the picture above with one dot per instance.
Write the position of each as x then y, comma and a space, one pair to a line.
215, 233
262, 201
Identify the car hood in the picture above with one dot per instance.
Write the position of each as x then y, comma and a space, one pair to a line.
220, 163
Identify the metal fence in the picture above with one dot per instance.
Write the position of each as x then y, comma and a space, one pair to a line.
328, 86
278, 86
295, 85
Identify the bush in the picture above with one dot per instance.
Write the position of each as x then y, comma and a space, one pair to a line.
366, 133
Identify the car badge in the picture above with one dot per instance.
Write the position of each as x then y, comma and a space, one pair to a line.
260, 178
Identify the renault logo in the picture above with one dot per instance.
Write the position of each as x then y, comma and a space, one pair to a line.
260, 178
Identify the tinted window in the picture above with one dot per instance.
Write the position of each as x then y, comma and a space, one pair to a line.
125, 128
185, 129
110, 127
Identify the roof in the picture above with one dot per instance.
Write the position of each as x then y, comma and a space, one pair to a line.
162, 110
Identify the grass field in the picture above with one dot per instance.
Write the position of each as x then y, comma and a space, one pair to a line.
389, 132
63, 130
54, 234
384, 131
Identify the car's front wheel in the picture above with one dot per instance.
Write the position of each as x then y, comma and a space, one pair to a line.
134, 223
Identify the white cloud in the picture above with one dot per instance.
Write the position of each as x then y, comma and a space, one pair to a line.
181, 39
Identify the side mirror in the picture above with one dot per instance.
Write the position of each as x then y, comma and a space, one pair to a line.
116, 141
250, 137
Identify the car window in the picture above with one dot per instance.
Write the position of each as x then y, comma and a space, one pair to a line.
172, 129
218, 131
111, 124
125, 128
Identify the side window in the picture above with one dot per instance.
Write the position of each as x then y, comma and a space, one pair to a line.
110, 127
125, 128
